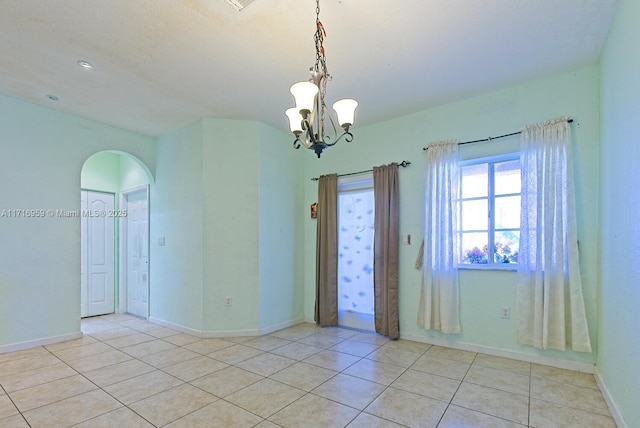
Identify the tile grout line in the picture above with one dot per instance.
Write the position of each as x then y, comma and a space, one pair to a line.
14, 405
306, 393
128, 406
253, 383
56, 401
101, 389
110, 365
457, 389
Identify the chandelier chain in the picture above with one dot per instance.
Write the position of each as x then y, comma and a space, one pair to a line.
321, 67
321, 61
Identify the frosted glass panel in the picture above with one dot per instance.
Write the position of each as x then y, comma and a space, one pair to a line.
355, 251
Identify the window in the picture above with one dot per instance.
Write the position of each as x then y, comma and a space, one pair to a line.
489, 231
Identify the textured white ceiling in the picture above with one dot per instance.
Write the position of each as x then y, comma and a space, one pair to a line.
161, 64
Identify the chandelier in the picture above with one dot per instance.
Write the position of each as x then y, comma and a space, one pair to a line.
307, 118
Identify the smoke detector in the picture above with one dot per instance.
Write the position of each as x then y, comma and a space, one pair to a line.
240, 4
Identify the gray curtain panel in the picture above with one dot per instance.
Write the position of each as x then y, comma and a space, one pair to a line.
326, 311
385, 249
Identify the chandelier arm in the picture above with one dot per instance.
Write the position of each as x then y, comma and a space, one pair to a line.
348, 137
308, 126
297, 142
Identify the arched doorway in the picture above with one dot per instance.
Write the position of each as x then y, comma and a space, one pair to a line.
114, 212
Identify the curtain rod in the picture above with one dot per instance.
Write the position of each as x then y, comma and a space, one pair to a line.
492, 138
403, 164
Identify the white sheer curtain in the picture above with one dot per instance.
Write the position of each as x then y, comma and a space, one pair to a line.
439, 299
550, 305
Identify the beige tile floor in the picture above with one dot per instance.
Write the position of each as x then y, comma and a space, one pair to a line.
126, 373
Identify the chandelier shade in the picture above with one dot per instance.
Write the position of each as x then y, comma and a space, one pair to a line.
305, 95
295, 120
308, 119
346, 111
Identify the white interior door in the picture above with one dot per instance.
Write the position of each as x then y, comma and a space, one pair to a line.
137, 259
97, 223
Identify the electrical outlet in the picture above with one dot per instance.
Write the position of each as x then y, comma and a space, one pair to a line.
227, 301
505, 313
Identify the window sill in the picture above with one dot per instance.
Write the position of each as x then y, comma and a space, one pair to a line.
496, 266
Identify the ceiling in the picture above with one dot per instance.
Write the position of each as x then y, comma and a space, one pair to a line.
161, 64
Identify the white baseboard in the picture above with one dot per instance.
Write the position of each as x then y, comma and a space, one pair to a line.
226, 333
12, 347
280, 326
515, 355
174, 326
615, 411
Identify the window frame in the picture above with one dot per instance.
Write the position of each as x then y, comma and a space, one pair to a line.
491, 160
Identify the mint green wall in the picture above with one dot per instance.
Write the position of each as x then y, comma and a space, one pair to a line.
482, 293
101, 172
224, 199
176, 212
281, 215
250, 227
132, 175
230, 176
42, 156
619, 339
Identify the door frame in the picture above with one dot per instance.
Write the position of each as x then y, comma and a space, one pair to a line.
122, 266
